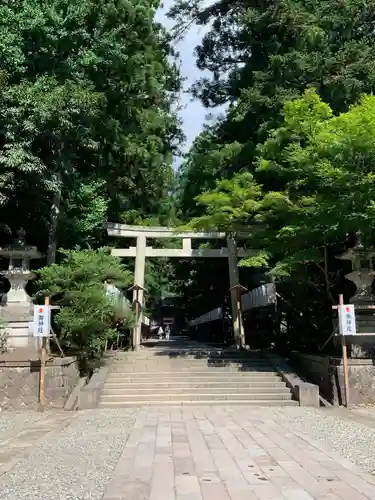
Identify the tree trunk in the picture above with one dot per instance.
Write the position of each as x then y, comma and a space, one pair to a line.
54, 220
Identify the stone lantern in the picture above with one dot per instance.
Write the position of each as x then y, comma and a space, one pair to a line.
16, 309
362, 276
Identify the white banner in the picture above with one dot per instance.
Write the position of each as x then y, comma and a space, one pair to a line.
42, 321
347, 323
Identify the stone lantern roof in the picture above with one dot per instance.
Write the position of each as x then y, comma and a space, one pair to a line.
18, 249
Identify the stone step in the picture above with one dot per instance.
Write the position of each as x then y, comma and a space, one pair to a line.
157, 353
187, 358
190, 366
177, 385
190, 369
195, 402
149, 353
152, 389
191, 359
192, 376
222, 396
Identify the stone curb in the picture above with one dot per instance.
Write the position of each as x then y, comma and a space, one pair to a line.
89, 396
73, 399
307, 394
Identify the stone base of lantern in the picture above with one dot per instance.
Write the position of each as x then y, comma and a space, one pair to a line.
17, 320
363, 346
19, 335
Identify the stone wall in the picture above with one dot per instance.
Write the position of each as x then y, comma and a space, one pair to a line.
327, 372
19, 382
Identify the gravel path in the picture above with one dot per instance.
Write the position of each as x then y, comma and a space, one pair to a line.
74, 464
12, 423
353, 440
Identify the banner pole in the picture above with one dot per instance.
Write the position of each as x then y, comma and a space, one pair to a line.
344, 356
42, 372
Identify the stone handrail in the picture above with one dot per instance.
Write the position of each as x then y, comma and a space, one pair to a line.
90, 394
307, 394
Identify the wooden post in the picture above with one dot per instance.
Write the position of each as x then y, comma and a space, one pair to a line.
135, 338
138, 288
138, 292
233, 281
223, 333
344, 358
239, 335
239, 316
42, 372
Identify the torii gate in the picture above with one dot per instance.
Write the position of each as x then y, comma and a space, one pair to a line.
141, 251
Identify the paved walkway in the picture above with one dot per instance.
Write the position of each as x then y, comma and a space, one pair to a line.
208, 453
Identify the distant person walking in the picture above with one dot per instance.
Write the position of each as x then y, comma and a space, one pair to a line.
160, 332
167, 332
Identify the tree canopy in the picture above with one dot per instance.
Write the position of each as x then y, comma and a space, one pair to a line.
249, 167
86, 112
88, 127
323, 167
259, 55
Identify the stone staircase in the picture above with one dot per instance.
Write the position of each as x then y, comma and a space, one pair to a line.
189, 374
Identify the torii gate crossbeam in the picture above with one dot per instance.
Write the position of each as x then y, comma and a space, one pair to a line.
141, 251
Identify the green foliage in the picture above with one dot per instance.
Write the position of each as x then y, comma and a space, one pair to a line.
231, 205
204, 163
88, 317
324, 168
260, 260
257, 56
86, 116
84, 214
260, 55
311, 190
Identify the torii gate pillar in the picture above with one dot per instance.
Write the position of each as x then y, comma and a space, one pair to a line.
139, 279
238, 328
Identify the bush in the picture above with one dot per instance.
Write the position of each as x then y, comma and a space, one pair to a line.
88, 317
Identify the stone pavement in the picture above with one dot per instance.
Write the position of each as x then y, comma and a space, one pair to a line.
229, 454
205, 453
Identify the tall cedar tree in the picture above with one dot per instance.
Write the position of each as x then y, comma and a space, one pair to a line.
86, 120
261, 54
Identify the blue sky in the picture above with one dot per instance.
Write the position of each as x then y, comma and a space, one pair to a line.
193, 113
